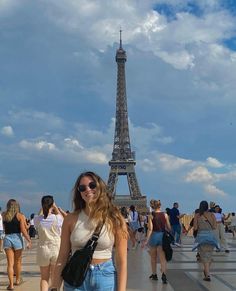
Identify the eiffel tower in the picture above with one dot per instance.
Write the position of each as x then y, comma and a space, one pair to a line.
123, 159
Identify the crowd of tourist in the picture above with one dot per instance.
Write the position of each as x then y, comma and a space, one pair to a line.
114, 231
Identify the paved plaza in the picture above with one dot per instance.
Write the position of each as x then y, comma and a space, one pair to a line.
184, 272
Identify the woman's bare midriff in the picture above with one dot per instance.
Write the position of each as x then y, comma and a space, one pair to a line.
99, 261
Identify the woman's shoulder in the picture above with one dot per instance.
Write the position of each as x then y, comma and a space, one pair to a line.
20, 216
71, 217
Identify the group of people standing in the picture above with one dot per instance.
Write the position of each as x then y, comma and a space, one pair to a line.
60, 234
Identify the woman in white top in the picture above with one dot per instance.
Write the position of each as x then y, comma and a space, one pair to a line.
220, 230
134, 224
92, 206
48, 226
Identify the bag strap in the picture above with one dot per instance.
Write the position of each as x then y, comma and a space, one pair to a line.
208, 221
92, 242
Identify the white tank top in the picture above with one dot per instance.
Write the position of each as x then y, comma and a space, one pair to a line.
83, 231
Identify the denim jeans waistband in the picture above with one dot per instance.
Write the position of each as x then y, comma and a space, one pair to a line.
101, 265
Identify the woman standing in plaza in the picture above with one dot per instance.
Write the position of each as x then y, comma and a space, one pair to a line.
158, 222
48, 226
134, 225
93, 207
14, 224
205, 224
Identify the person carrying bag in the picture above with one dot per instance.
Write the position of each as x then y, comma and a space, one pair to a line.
90, 233
77, 267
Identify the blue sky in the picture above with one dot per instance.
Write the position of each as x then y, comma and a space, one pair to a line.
58, 90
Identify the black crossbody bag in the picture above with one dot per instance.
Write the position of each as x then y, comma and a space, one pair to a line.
77, 267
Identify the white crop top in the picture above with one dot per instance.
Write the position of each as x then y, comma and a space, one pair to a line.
83, 231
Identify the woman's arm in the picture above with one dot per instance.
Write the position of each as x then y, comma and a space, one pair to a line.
121, 259
64, 252
213, 220
195, 222
55, 209
167, 222
149, 230
62, 212
23, 228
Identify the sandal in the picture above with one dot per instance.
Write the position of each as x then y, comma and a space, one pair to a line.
9, 288
20, 282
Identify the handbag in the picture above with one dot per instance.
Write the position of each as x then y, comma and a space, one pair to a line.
77, 267
167, 239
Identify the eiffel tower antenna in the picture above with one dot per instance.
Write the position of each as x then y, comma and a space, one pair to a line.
120, 38
123, 159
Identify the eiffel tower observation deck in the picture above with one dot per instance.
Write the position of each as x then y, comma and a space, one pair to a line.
123, 159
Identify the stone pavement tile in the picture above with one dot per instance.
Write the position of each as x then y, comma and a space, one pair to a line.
184, 272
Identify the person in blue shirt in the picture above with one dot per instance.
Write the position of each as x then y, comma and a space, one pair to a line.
175, 216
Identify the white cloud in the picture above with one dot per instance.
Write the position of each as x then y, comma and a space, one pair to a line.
36, 118
149, 134
170, 162
204, 177
7, 6
213, 190
69, 150
214, 163
7, 131
37, 145
96, 157
148, 165
73, 143
200, 174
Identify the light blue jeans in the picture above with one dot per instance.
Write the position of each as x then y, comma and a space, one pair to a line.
176, 232
101, 277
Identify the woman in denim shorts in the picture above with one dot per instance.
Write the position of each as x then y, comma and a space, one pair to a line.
14, 225
158, 221
94, 208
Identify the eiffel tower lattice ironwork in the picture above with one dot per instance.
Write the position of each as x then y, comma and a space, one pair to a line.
123, 159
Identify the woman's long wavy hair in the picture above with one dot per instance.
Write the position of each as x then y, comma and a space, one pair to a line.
102, 207
13, 208
47, 202
203, 207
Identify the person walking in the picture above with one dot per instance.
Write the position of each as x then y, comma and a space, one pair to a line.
14, 225
134, 225
158, 222
92, 207
205, 224
32, 230
48, 226
220, 229
232, 226
194, 232
175, 217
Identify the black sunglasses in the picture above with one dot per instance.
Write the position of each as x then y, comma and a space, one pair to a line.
91, 185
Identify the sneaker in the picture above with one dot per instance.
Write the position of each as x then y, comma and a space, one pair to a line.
163, 278
208, 279
178, 245
227, 251
153, 277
